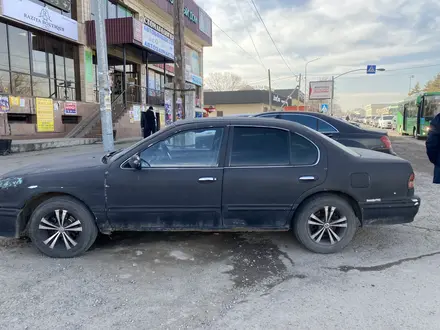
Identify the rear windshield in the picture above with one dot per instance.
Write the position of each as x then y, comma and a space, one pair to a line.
335, 143
388, 117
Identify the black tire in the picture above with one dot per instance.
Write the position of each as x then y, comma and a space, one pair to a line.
78, 231
304, 231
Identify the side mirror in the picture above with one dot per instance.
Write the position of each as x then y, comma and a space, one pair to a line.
135, 162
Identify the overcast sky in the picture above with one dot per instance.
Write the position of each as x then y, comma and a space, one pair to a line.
401, 36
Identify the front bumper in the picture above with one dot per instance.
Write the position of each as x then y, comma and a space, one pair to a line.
9, 222
390, 212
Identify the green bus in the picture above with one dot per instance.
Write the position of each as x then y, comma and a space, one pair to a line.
415, 113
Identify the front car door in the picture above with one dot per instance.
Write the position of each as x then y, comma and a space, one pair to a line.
178, 187
266, 170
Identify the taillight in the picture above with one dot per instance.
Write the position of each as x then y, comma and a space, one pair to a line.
411, 181
386, 142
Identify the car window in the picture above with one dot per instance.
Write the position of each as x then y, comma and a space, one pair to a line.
308, 121
259, 146
192, 148
302, 151
325, 127
388, 117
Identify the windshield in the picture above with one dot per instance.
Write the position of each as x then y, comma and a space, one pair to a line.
431, 106
388, 117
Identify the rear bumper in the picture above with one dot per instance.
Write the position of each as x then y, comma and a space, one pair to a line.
390, 212
9, 222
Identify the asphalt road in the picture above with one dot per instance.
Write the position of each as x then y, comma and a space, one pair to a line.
386, 279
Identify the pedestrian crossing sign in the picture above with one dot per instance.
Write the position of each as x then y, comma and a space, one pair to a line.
324, 107
371, 69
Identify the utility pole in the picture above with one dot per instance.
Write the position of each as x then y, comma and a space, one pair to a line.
105, 104
333, 94
270, 91
298, 90
179, 57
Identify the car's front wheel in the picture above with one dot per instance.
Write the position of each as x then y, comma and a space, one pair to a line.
62, 227
325, 224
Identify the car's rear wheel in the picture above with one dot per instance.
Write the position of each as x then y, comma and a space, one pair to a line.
325, 224
62, 227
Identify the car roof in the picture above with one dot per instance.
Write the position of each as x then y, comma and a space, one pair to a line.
253, 121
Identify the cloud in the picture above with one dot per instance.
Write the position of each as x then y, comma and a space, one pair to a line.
345, 34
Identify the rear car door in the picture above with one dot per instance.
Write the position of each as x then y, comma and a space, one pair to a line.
266, 170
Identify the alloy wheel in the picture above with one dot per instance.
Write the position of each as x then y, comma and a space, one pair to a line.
60, 230
327, 225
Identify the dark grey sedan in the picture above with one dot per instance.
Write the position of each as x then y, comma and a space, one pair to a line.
255, 174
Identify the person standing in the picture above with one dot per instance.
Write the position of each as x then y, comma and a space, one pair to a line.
148, 122
433, 146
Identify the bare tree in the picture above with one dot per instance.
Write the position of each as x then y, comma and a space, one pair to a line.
225, 81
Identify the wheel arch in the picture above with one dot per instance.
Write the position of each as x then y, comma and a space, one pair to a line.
347, 197
31, 204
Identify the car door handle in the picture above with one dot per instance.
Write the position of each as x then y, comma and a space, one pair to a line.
307, 178
207, 179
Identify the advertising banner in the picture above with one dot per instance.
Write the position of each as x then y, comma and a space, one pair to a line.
45, 116
4, 104
321, 90
157, 42
70, 108
41, 17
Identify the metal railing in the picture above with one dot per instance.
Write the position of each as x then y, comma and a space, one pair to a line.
132, 95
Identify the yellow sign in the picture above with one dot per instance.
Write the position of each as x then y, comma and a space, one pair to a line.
14, 101
45, 116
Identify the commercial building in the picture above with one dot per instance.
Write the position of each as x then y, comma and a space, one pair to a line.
242, 102
48, 64
373, 109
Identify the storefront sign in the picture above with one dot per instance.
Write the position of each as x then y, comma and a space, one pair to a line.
137, 30
70, 108
40, 17
157, 42
14, 101
192, 72
158, 28
188, 13
45, 115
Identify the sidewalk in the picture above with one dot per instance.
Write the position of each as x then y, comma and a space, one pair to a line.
43, 144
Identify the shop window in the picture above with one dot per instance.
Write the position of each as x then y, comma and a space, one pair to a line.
19, 49
21, 118
40, 87
5, 82
4, 59
70, 119
39, 56
21, 84
111, 10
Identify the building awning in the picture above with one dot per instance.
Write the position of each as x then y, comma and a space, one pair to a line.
129, 30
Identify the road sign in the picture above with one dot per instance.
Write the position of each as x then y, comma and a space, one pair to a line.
371, 69
324, 107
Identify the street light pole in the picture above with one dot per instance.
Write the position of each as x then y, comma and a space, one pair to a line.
343, 74
305, 81
410, 78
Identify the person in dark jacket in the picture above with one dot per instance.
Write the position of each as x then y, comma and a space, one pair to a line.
433, 146
148, 122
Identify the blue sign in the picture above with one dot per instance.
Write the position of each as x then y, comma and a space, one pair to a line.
157, 42
324, 107
371, 69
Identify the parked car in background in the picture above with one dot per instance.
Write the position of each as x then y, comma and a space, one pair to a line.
259, 174
342, 131
375, 121
386, 121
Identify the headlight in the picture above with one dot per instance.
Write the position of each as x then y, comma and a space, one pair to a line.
427, 128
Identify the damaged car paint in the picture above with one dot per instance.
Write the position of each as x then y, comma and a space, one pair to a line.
10, 183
